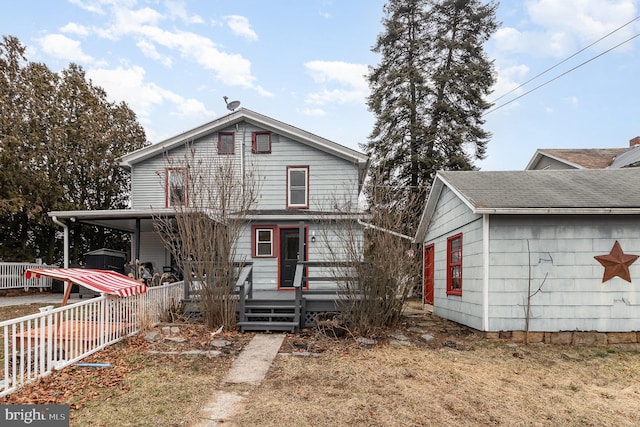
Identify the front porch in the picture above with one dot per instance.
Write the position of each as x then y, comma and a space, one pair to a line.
278, 310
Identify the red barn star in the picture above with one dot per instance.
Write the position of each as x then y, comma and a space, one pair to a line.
616, 263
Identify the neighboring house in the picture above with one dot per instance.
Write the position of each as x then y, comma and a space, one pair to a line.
587, 158
491, 239
306, 184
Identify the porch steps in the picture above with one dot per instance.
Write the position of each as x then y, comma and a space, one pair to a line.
269, 316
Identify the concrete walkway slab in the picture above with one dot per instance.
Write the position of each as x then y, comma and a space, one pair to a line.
38, 298
250, 367
255, 359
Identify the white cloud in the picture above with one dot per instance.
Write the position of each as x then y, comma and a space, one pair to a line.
177, 9
240, 26
129, 84
509, 78
62, 47
92, 6
143, 25
560, 28
149, 50
73, 28
351, 77
314, 112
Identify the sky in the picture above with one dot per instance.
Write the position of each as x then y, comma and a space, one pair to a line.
305, 63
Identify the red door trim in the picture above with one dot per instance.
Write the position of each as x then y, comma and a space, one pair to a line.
428, 271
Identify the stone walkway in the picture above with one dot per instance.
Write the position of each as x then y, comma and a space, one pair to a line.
250, 368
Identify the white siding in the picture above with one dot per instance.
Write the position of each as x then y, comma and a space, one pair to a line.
450, 218
265, 271
572, 296
152, 250
331, 179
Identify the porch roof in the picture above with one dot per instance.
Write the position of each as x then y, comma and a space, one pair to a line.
118, 219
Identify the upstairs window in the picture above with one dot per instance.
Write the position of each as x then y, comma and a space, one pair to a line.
226, 143
454, 265
176, 187
261, 142
298, 187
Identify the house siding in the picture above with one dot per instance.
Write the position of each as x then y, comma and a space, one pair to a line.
330, 238
451, 217
546, 162
562, 249
331, 180
152, 250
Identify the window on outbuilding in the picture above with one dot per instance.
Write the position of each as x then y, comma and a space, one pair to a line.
454, 265
298, 187
176, 187
261, 142
263, 241
226, 143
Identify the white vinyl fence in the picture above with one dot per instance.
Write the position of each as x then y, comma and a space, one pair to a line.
33, 346
12, 276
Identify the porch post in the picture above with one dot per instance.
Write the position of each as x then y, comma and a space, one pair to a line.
301, 242
65, 228
137, 247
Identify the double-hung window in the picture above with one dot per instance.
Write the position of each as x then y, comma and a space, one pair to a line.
261, 142
176, 187
263, 241
454, 265
226, 143
298, 187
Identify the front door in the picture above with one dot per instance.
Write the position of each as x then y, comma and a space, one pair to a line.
427, 290
289, 255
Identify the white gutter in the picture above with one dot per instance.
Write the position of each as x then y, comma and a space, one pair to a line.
485, 275
66, 239
375, 227
242, 177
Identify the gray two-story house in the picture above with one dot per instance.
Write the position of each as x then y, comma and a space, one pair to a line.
307, 187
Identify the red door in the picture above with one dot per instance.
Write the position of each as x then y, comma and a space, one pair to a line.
427, 290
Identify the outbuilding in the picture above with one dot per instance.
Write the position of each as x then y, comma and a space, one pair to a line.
560, 245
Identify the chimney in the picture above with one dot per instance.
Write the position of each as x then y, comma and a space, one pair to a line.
634, 141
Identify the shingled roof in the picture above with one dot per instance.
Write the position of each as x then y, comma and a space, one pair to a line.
588, 158
563, 191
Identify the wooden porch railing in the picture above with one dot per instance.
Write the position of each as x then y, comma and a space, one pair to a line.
192, 287
302, 276
244, 284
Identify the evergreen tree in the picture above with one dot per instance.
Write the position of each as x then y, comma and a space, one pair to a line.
428, 96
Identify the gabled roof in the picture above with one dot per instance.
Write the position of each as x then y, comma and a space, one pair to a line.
563, 191
579, 158
256, 119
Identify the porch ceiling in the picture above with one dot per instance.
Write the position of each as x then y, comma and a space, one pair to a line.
120, 219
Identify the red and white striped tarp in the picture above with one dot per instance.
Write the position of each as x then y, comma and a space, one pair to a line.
109, 282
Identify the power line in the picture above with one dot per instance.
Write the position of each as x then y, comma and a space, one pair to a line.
561, 75
566, 59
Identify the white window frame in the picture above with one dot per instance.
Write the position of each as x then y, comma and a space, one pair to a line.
169, 186
290, 187
258, 242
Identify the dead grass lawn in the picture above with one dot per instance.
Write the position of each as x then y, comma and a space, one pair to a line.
458, 379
